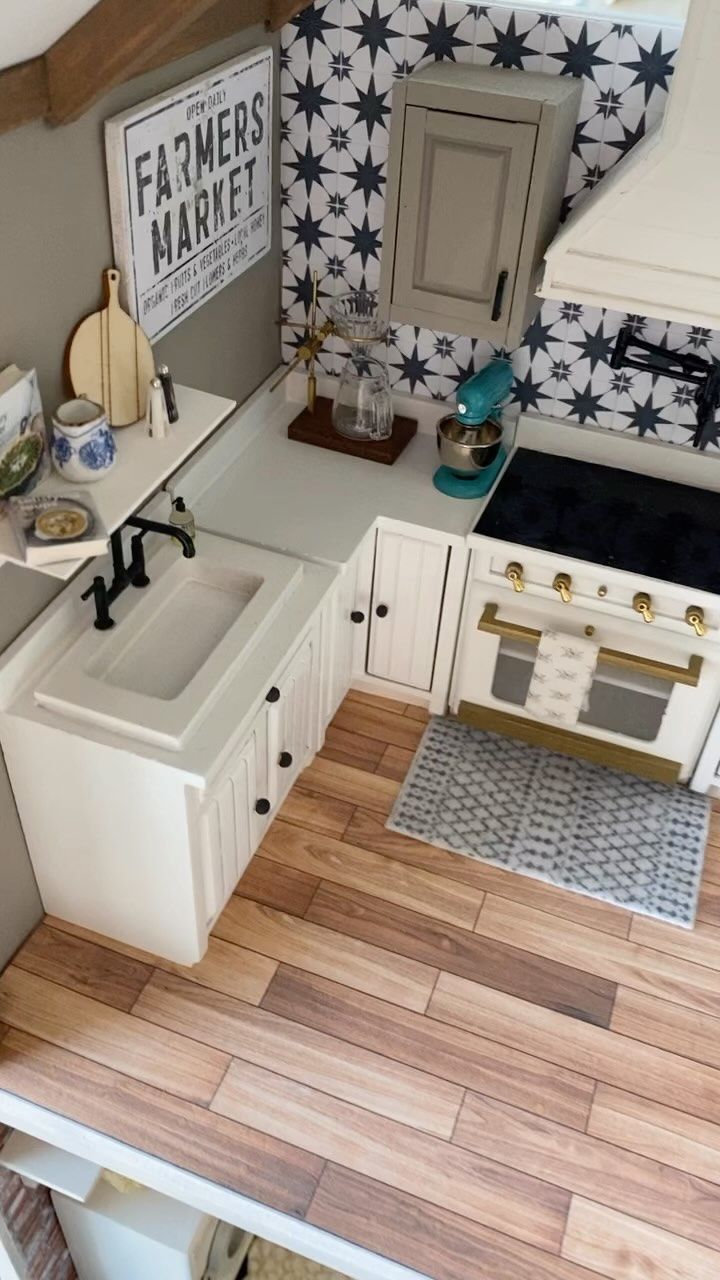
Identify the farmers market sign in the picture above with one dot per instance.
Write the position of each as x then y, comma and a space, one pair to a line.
190, 182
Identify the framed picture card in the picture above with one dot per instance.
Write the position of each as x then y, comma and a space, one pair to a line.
190, 180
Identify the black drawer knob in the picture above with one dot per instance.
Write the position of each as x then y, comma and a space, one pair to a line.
357, 616
382, 611
285, 760
273, 695
262, 807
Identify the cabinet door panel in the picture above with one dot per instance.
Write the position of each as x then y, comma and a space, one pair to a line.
227, 830
290, 724
408, 591
463, 194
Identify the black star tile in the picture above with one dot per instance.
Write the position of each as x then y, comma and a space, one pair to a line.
311, 27
339, 138
653, 68
582, 139
646, 417
579, 58
463, 370
371, 107
698, 338
443, 346
309, 168
570, 310
684, 396
309, 98
367, 176
308, 230
508, 48
637, 324
375, 31
364, 241
596, 347
413, 370
526, 392
630, 138
440, 40
337, 204
537, 335
301, 287
621, 380
560, 370
402, 69
335, 267
583, 404
608, 103
592, 176
341, 66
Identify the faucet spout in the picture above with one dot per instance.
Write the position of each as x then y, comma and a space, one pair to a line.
157, 526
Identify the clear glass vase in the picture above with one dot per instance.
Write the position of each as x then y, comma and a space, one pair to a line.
363, 405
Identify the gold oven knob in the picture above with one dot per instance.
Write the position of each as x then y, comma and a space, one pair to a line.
695, 618
514, 574
641, 605
562, 583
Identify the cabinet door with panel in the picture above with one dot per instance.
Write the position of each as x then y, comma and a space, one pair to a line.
476, 174
290, 724
463, 192
407, 599
229, 826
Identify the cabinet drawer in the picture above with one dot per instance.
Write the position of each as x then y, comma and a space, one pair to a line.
406, 604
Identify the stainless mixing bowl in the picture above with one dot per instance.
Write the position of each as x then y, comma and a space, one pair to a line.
468, 450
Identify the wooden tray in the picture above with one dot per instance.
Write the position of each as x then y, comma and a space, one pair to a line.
316, 428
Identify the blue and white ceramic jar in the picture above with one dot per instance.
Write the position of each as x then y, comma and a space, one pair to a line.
83, 446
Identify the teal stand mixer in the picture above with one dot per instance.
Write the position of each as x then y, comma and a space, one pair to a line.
470, 440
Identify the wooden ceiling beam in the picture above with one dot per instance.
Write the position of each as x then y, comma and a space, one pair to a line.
117, 40
110, 44
23, 94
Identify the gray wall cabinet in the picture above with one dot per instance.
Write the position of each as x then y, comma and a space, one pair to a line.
478, 163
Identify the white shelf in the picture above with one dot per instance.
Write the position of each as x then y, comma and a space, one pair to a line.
142, 467
45, 1166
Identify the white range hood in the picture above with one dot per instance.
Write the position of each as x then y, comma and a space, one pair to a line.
647, 240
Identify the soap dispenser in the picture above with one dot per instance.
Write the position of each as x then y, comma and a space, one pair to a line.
181, 518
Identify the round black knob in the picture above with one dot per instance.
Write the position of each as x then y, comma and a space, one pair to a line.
272, 695
285, 760
357, 616
262, 807
382, 611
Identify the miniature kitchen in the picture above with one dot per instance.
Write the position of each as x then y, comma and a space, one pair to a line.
360, 641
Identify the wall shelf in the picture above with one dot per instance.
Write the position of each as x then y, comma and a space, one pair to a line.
142, 466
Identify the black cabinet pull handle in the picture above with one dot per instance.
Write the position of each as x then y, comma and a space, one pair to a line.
272, 695
262, 807
357, 616
499, 295
285, 760
382, 611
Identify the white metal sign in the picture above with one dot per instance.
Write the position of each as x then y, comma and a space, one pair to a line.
190, 179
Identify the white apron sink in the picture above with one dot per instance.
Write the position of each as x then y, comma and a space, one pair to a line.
176, 643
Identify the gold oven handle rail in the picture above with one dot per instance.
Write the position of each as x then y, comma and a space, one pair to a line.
689, 675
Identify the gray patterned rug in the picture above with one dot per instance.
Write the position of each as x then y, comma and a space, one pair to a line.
578, 825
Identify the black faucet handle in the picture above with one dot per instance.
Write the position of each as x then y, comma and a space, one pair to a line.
98, 589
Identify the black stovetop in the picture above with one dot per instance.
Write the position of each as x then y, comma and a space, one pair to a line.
609, 517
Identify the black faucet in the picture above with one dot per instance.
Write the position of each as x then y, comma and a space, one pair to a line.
133, 574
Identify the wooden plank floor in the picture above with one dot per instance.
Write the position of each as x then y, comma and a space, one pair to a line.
464, 1070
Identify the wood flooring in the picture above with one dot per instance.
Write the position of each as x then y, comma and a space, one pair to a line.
464, 1070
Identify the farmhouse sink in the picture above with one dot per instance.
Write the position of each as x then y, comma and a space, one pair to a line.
176, 644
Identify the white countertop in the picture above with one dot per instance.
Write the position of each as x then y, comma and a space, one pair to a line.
317, 504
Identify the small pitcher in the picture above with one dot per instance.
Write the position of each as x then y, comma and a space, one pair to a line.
83, 447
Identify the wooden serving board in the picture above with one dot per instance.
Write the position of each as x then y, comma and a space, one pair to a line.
316, 428
110, 359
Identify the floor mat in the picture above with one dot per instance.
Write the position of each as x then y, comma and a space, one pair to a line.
270, 1262
571, 823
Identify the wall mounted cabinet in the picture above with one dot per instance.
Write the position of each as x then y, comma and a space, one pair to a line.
477, 170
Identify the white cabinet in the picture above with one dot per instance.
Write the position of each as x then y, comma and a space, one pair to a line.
234, 813
407, 600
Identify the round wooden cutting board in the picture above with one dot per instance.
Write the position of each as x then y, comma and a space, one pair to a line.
110, 359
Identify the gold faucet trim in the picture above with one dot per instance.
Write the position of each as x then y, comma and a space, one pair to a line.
514, 574
695, 618
642, 604
562, 583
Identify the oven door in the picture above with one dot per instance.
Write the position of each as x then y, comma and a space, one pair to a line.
650, 705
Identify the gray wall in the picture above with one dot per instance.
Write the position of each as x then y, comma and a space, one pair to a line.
55, 240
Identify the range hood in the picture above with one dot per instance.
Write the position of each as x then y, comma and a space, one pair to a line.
647, 240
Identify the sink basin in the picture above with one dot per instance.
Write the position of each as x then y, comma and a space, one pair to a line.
176, 643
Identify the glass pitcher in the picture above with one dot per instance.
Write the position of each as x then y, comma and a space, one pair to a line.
363, 405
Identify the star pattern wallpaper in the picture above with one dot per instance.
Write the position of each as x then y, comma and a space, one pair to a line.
340, 59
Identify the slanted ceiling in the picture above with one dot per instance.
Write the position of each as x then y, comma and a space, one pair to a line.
60, 56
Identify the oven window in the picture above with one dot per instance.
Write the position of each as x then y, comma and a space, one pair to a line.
619, 702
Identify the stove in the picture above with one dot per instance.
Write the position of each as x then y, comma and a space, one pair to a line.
627, 560
617, 519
